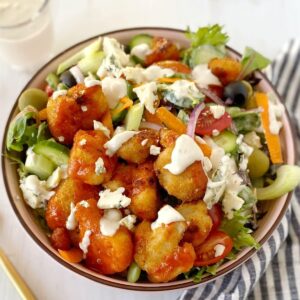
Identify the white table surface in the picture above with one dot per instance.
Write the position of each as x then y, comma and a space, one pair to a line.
263, 24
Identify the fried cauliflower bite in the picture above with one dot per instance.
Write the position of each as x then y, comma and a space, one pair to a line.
88, 161
226, 69
188, 186
137, 149
162, 49
167, 137
76, 110
144, 196
92, 103
106, 254
58, 207
199, 222
63, 115
122, 178
158, 251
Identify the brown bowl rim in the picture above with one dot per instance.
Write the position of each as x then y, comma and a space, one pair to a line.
119, 284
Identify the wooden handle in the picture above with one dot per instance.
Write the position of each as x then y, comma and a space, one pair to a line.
15, 278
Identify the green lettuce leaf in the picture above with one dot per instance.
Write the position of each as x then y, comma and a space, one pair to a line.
197, 273
244, 121
236, 228
25, 131
15, 158
206, 43
22, 130
251, 61
209, 35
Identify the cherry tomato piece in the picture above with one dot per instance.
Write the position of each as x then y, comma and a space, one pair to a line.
216, 89
216, 215
206, 122
49, 90
215, 247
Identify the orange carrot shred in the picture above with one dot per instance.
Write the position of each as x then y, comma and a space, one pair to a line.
273, 140
170, 121
107, 122
152, 118
167, 80
205, 149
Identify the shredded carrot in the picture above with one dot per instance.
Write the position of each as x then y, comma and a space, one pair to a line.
152, 118
273, 140
205, 149
124, 103
73, 255
170, 121
107, 122
43, 114
167, 79
175, 65
174, 123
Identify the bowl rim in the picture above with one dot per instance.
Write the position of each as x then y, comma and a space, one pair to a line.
119, 284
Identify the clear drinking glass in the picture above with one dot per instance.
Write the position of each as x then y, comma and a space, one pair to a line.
26, 33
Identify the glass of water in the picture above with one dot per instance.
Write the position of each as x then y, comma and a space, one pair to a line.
26, 33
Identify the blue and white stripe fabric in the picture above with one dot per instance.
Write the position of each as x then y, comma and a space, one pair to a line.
274, 272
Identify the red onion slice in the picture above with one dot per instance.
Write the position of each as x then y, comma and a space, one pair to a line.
76, 72
150, 125
211, 95
193, 119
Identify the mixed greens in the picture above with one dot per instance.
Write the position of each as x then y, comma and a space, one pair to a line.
149, 158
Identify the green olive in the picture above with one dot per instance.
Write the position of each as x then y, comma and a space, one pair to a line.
258, 163
34, 97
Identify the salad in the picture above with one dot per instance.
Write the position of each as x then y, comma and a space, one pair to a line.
147, 160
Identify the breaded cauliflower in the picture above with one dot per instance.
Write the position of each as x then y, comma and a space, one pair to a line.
88, 160
199, 222
105, 254
188, 186
158, 251
137, 149
144, 196
76, 110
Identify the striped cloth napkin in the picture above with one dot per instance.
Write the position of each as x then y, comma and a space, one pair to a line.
274, 272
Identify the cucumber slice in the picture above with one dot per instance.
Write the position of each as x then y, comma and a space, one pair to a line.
119, 117
73, 60
57, 153
226, 140
141, 39
118, 113
91, 63
204, 54
288, 177
134, 117
61, 86
52, 80
34, 97
39, 165
130, 93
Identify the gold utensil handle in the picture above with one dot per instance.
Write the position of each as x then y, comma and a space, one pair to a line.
15, 278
